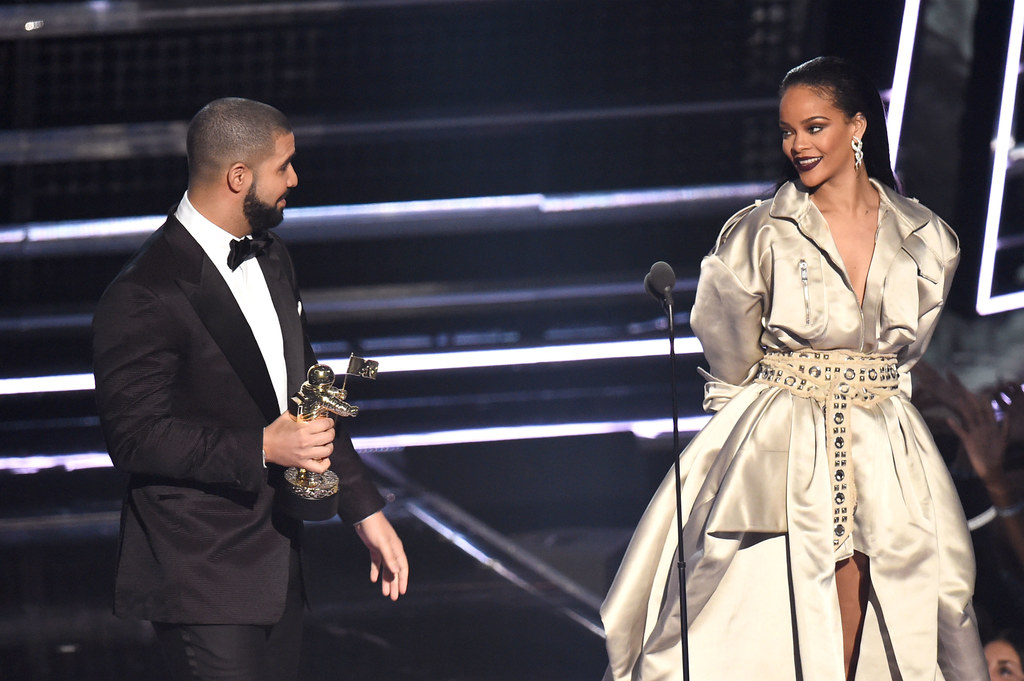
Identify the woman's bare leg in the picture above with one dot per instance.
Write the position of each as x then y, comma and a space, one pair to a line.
852, 582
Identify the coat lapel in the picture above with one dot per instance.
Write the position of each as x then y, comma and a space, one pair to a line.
898, 219
206, 290
790, 203
286, 303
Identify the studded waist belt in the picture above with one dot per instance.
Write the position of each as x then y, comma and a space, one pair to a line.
836, 379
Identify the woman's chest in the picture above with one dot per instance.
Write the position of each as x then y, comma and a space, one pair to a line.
813, 301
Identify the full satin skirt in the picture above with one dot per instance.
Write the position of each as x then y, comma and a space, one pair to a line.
760, 561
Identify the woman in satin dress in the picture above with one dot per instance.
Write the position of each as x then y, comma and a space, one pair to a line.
823, 538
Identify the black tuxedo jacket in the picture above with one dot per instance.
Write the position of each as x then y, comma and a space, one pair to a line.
183, 396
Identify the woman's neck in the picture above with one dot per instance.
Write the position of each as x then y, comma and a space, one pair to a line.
852, 195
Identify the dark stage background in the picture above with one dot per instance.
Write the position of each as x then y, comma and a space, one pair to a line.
498, 175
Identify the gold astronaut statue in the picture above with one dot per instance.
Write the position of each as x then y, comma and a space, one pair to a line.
314, 496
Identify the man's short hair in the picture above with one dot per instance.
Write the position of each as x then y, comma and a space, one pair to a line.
230, 130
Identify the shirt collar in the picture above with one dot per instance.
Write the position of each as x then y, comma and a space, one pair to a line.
215, 242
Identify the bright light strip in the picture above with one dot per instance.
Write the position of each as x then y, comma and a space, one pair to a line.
648, 197
901, 76
987, 303
434, 361
472, 359
70, 462
982, 519
421, 207
80, 229
44, 232
46, 384
648, 429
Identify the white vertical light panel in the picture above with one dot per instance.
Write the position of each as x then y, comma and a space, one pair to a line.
901, 76
987, 302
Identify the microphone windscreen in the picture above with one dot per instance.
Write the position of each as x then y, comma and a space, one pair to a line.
650, 287
662, 277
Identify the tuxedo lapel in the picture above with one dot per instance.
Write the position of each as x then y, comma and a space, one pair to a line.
286, 304
212, 300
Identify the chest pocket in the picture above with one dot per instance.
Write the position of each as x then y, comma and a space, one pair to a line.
799, 306
929, 273
928, 265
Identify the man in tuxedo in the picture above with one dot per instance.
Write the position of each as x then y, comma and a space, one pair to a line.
198, 343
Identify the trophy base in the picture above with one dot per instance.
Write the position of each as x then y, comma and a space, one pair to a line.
308, 496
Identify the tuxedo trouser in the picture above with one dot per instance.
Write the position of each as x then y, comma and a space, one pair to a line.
238, 652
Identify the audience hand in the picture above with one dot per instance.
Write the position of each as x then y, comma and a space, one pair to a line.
984, 436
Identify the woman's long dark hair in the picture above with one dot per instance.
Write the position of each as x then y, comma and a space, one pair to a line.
850, 91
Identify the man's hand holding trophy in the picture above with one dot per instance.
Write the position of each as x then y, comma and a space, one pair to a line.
304, 494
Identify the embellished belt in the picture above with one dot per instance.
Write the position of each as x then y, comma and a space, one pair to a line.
835, 379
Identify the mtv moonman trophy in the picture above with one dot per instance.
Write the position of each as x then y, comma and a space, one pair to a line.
314, 496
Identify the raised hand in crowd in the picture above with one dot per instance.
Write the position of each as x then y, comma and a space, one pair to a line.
985, 434
982, 433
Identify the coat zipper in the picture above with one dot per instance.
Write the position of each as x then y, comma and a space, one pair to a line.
807, 293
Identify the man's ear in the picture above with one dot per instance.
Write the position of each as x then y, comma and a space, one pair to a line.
238, 177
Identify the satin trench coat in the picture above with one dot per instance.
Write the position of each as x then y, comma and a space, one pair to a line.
760, 564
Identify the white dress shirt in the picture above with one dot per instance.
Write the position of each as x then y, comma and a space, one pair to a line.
249, 288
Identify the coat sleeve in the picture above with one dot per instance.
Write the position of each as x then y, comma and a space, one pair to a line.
358, 497
936, 250
137, 357
730, 301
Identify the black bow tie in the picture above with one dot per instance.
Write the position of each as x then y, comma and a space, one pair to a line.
243, 249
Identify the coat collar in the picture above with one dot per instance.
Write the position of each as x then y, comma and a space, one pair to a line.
793, 202
899, 219
208, 293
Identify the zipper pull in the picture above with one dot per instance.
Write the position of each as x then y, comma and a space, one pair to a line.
807, 293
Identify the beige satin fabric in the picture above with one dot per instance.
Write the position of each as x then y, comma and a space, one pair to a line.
836, 380
757, 480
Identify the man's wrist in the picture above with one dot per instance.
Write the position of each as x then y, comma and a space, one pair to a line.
360, 522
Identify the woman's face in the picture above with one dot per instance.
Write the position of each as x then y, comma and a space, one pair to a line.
1003, 662
816, 136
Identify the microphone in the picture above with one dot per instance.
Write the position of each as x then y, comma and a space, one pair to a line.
660, 281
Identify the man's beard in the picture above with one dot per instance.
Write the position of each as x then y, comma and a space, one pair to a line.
261, 216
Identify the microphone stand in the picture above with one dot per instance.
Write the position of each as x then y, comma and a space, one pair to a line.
660, 282
680, 560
